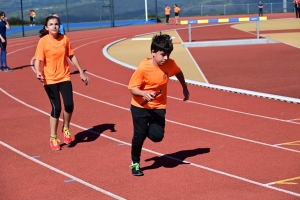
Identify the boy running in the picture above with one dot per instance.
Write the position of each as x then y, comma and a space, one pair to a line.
151, 76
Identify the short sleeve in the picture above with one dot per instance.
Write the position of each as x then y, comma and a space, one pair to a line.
136, 79
39, 52
174, 69
68, 47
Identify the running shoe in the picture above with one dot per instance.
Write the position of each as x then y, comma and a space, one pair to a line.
136, 170
7, 69
67, 135
54, 144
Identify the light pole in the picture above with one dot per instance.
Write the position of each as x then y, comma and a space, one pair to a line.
146, 10
22, 18
67, 15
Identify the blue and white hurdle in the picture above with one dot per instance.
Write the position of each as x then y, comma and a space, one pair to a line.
226, 20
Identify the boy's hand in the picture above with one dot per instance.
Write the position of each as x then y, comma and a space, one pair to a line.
149, 96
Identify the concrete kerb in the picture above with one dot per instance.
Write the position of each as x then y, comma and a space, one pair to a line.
229, 42
206, 85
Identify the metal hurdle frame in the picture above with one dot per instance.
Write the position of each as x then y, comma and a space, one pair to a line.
245, 19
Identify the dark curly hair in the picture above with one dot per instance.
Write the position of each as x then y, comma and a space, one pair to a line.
162, 42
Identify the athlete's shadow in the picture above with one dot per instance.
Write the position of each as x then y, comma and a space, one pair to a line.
174, 159
21, 67
91, 134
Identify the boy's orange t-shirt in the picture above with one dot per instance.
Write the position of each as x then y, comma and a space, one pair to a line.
152, 78
53, 53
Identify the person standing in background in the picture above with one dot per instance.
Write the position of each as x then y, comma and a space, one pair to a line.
33, 17
30, 18
3, 42
297, 8
260, 9
176, 10
167, 12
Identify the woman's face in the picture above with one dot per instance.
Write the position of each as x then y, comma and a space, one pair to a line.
2, 17
52, 27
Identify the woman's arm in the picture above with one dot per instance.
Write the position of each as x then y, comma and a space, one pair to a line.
39, 70
83, 77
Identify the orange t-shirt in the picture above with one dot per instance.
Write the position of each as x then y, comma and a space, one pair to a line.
53, 53
152, 78
176, 9
167, 10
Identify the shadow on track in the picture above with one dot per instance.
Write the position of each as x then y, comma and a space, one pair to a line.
174, 159
91, 134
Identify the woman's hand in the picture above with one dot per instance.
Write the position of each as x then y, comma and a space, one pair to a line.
40, 77
84, 78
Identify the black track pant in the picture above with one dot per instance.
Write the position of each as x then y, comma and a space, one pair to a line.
146, 123
54, 90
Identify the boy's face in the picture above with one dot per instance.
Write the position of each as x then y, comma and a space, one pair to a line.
160, 57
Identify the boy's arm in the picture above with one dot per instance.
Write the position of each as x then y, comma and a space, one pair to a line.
181, 79
149, 96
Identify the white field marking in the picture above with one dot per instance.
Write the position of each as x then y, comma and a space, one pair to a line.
187, 49
21, 49
148, 150
61, 172
195, 127
203, 104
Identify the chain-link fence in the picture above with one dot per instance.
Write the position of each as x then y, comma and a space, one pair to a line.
89, 14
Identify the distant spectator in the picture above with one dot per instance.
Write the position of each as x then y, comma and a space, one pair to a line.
176, 10
167, 12
3, 42
61, 27
297, 8
33, 18
260, 9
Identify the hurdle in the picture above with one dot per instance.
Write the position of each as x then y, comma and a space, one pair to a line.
226, 20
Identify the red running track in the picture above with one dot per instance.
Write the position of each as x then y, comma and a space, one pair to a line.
219, 145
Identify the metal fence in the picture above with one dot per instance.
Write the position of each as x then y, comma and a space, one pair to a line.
98, 11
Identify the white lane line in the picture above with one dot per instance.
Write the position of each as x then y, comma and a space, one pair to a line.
148, 150
203, 104
195, 127
61, 172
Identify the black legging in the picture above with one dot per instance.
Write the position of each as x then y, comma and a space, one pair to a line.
53, 91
